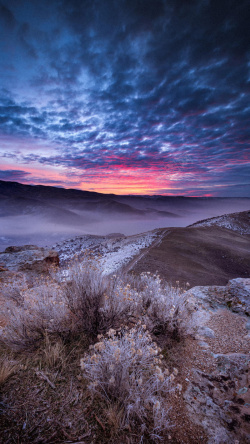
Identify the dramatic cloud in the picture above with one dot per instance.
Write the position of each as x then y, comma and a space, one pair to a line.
127, 96
13, 175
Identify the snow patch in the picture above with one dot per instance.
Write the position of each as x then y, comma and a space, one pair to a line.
227, 221
114, 260
112, 252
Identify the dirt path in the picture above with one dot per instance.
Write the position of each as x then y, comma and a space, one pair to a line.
128, 267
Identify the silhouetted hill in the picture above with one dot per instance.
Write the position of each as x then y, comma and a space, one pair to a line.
17, 198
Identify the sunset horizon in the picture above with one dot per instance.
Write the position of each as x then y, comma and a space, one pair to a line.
128, 193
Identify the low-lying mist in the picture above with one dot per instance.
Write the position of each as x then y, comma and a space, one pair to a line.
136, 215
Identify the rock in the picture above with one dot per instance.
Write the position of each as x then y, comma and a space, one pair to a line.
219, 397
17, 249
3, 268
28, 258
239, 290
205, 411
242, 391
206, 332
209, 298
232, 364
248, 325
219, 400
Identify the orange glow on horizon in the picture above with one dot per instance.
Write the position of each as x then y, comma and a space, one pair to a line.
121, 182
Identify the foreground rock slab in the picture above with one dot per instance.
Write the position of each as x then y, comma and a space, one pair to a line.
218, 391
28, 258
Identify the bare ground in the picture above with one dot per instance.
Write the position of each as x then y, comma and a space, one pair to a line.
198, 255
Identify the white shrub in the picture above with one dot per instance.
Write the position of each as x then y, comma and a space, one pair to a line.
86, 301
84, 293
98, 302
165, 306
43, 310
121, 303
126, 368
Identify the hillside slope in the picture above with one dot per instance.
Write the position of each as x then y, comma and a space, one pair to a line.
198, 255
239, 222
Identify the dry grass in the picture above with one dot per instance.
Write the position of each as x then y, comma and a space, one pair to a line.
53, 353
45, 399
7, 368
114, 418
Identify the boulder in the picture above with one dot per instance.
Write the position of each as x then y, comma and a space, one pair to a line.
28, 258
18, 248
239, 291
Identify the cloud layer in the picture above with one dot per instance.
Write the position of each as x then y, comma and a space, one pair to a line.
127, 96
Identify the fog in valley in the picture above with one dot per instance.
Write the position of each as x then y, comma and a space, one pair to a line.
41, 216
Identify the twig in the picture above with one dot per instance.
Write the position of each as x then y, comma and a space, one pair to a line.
66, 434
99, 421
76, 442
43, 376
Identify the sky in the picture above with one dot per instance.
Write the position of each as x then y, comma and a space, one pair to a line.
126, 96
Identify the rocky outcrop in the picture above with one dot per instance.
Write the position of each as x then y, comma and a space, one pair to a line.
239, 295
218, 392
28, 258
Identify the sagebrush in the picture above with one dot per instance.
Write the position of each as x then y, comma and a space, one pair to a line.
125, 368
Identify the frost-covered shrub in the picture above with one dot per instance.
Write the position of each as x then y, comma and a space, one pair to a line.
165, 306
121, 303
125, 368
42, 311
84, 293
98, 302
150, 286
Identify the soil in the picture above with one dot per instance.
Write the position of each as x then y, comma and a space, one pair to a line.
197, 255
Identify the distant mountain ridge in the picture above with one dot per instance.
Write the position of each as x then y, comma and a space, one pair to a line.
43, 215
43, 191
22, 199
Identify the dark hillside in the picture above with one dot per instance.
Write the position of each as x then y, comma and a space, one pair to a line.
199, 255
